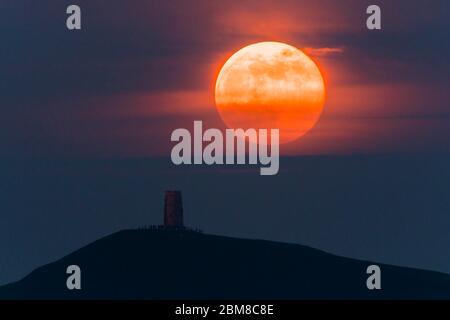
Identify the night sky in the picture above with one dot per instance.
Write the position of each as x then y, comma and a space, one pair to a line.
86, 118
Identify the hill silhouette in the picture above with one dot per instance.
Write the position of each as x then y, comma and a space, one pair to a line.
167, 264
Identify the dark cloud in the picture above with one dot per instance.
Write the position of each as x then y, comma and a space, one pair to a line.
136, 47
159, 45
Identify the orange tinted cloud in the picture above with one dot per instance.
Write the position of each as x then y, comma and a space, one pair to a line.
320, 52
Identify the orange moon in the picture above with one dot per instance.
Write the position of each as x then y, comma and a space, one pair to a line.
270, 85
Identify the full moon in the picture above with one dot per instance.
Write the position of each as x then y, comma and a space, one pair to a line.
270, 85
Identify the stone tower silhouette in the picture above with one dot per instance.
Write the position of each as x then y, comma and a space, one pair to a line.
173, 209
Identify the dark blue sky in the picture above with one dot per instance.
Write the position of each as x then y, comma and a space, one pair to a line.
86, 118
392, 209
138, 70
